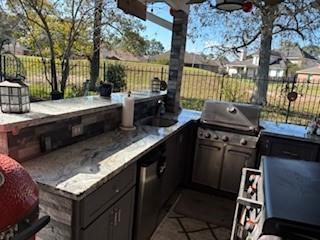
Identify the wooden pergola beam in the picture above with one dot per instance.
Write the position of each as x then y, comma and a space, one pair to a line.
176, 4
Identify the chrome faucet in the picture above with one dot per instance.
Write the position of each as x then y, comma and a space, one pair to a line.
160, 109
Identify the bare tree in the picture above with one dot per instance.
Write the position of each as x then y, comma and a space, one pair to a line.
73, 15
289, 19
95, 59
112, 29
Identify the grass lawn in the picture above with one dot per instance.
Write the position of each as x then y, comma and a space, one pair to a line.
197, 86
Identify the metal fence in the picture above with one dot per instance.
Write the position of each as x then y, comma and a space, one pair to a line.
197, 86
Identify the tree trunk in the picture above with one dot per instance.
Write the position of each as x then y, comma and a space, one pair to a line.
65, 74
54, 79
260, 95
95, 60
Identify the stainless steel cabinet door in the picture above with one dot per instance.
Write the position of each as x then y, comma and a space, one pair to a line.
235, 159
148, 201
208, 163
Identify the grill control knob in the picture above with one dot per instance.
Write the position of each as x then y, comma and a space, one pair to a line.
207, 135
243, 142
225, 138
200, 134
215, 137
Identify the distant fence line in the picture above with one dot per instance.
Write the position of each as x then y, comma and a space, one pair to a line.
197, 86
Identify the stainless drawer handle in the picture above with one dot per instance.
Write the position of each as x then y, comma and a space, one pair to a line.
210, 146
246, 155
119, 215
290, 154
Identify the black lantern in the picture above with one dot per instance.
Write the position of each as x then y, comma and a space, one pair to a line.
14, 96
229, 5
155, 85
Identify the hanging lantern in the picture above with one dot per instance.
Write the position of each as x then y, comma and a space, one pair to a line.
247, 6
229, 5
14, 96
155, 85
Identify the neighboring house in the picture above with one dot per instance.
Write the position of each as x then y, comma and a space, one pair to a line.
16, 49
279, 61
199, 61
196, 61
118, 54
309, 74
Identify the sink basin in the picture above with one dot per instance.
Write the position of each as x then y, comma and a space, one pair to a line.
160, 122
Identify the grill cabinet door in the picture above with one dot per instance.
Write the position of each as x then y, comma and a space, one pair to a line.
208, 163
235, 159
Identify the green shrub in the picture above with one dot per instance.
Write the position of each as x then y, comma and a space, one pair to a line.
116, 74
162, 61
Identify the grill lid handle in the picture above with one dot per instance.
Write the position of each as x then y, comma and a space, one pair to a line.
2, 179
33, 229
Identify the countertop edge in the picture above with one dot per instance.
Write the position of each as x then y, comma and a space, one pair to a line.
301, 137
53, 118
4, 128
93, 187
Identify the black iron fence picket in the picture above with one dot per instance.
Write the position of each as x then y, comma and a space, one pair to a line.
197, 86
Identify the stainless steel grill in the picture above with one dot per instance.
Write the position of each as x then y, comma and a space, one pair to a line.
232, 116
227, 139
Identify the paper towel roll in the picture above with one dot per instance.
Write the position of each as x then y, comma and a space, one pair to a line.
128, 112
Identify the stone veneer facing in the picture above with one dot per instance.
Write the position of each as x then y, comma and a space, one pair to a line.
34, 141
178, 47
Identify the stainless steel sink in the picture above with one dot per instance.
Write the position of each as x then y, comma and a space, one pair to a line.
159, 122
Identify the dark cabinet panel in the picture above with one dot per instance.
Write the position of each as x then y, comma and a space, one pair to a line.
179, 156
169, 179
124, 210
186, 146
101, 229
288, 148
97, 202
115, 223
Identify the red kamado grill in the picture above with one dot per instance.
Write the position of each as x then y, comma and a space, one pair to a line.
19, 202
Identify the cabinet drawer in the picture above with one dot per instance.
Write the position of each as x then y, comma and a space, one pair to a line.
289, 149
97, 202
115, 223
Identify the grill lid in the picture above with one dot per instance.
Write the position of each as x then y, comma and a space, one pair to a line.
244, 117
19, 194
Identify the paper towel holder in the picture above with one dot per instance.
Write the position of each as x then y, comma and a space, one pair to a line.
128, 128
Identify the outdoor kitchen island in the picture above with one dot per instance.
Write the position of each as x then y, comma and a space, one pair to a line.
288, 141
83, 184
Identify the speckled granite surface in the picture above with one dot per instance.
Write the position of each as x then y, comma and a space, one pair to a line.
50, 111
289, 131
77, 170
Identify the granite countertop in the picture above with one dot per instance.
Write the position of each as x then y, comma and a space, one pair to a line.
77, 170
50, 111
289, 131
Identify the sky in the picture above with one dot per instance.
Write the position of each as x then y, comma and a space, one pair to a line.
164, 36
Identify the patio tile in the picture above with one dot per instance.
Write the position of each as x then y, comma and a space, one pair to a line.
191, 224
203, 235
222, 233
169, 230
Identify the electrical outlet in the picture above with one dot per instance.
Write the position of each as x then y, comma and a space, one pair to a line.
77, 130
46, 143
